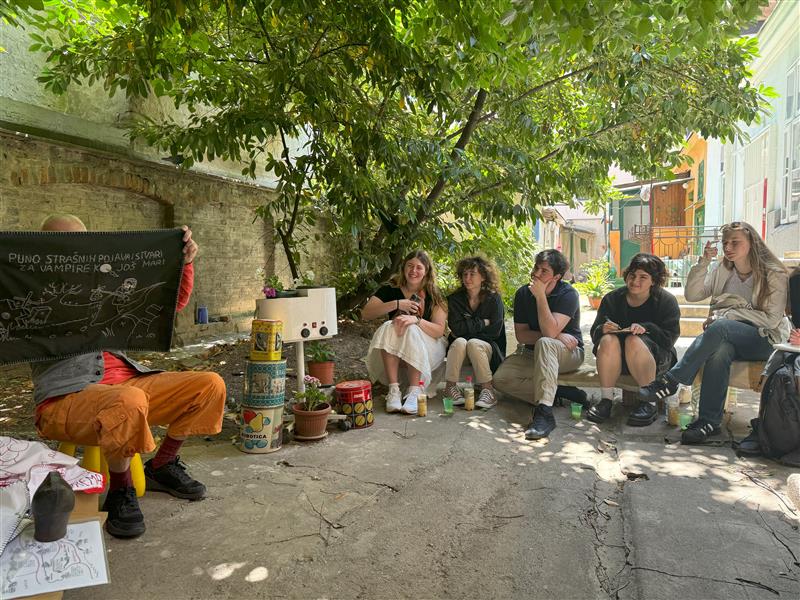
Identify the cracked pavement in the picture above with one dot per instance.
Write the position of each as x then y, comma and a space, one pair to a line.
464, 507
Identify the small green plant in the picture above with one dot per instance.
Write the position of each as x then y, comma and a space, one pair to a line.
272, 285
598, 280
313, 397
319, 352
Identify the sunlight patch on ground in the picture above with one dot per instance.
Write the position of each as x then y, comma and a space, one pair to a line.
257, 574
224, 570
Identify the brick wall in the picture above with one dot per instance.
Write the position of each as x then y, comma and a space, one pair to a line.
107, 192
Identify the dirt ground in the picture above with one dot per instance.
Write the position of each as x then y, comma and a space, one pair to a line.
226, 359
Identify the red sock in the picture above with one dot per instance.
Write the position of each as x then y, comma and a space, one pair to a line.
117, 481
167, 452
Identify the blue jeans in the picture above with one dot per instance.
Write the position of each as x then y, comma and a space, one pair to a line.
723, 342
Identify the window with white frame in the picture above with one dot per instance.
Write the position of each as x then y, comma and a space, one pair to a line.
791, 173
790, 168
755, 169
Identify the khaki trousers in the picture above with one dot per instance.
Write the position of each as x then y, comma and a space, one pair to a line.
532, 375
477, 353
118, 417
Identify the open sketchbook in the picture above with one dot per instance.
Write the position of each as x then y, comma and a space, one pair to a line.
77, 560
786, 348
13, 512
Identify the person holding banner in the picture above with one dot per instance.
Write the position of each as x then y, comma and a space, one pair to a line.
106, 399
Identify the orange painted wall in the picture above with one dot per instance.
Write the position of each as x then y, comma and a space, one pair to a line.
696, 148
613, 242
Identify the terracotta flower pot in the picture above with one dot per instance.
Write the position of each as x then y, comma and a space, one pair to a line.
594, 301
322, 371
310, 423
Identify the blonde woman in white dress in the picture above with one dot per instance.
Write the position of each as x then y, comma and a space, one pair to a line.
411, 342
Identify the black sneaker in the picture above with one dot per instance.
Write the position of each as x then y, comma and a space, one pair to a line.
600, 411
699, 431
644, 414
125, 519
173, 479
543, 423
658, 389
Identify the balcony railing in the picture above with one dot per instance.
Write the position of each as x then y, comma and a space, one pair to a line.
679, 246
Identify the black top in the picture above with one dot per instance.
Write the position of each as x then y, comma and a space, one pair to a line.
389, 293
563, 299
660, 315
794, 297
464, 323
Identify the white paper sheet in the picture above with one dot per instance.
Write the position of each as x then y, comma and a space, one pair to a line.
29, 567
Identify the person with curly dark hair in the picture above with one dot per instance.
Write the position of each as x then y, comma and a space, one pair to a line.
477, 332
634, 332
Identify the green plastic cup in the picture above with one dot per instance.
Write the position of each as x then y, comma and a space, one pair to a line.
684, 419
575, 410
448, 405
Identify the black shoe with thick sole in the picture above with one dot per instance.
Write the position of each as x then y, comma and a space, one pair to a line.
173, 479
644, 414
543, 423
749, 446
125, 518
600, 411
699, 431
658, 389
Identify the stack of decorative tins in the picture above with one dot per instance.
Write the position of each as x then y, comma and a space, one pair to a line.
264, 390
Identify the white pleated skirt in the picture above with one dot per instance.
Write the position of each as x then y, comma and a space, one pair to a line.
414, 347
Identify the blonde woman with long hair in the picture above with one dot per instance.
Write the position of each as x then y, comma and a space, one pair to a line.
748, 291
412, 338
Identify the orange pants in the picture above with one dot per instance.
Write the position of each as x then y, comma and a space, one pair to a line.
117, 417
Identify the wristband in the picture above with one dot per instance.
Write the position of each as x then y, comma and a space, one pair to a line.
398, 305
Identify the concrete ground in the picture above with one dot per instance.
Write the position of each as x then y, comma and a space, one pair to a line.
465, 507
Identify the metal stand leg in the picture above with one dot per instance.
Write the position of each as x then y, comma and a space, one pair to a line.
300, 367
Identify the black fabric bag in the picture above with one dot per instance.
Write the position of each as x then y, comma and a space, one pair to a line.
778, 423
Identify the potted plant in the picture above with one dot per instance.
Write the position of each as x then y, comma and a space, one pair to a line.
596, 283
311, 410
273, 288
320, 361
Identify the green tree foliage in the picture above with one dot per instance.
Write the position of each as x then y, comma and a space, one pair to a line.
510, 247
417, 122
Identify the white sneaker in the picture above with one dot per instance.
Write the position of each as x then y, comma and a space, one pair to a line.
394, 401
486, 399
455, 393
410, 401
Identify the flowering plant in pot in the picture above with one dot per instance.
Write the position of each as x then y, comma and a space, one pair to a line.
273, 288
311, 410
596, 282
320, 361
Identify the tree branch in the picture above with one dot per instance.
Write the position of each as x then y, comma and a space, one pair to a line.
455, 154
530, 92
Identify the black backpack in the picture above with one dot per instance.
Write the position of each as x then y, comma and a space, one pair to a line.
779, 415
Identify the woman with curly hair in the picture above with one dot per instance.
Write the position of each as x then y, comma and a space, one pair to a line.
748, 300
651, 317
477, 331
413, 335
